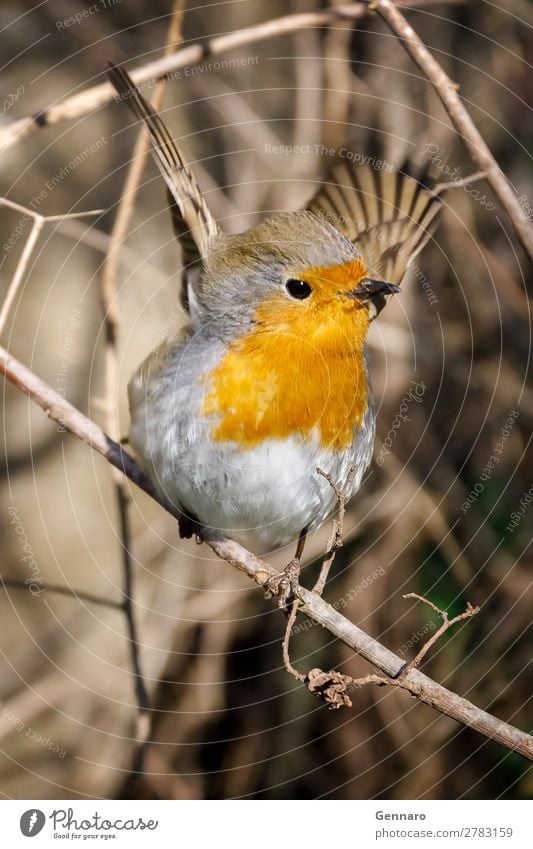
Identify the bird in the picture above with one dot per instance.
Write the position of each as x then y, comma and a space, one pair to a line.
243, 419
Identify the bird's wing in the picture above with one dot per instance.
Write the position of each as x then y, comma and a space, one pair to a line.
193, 221
388, 214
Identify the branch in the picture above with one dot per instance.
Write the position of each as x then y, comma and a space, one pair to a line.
38, 223
463, 123
286, 640
446, 624
337, 530
58, 589
415, 682
90, 99
111, 319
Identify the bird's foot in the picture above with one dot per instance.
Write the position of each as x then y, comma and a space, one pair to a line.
189, 526
285, 585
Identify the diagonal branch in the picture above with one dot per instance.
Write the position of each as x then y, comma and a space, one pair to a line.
90, 99
415, 682
463, 123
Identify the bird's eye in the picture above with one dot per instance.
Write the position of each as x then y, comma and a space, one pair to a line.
298, 289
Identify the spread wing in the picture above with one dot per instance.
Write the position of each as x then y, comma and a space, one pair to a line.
193, 222
389, 214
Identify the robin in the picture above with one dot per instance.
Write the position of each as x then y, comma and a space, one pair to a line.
270, 379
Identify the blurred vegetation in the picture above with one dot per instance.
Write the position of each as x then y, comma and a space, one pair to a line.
228, 720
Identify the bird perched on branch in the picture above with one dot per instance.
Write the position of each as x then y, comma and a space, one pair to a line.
270, 379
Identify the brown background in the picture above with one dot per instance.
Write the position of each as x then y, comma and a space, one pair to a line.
228, 719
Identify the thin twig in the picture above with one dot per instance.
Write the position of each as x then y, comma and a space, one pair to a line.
90, 99
36, 227
458, 184
141, 693
416, 683
463, 123
111, 317
446, 624
38, 223
286, 640
19, 584
338, 75
337, 530
108, 298
32, 214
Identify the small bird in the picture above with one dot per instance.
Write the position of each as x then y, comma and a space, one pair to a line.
270, 380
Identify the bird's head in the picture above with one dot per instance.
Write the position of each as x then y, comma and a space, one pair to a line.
293, 273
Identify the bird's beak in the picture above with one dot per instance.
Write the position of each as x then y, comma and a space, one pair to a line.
369, 289
372, 294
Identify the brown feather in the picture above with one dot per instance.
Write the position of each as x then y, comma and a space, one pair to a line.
388, 215
193, 222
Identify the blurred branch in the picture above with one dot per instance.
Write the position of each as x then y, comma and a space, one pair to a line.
38, 223
463, 123
16, 280
338, 74
19, 584
90, 99
111, 317
413, 681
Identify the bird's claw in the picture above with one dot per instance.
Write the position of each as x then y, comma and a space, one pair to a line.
285, 585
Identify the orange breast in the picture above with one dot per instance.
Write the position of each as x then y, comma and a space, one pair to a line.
300, 370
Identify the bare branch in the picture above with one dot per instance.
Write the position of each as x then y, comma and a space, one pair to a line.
337, 530
446, 624
460, 183
463, 123
90, 99
32, 214
38, 223
37, 226
111, 317
286, 639
57, 589
415, 682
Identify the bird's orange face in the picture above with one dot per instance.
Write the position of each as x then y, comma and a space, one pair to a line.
327, 313
300, 370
